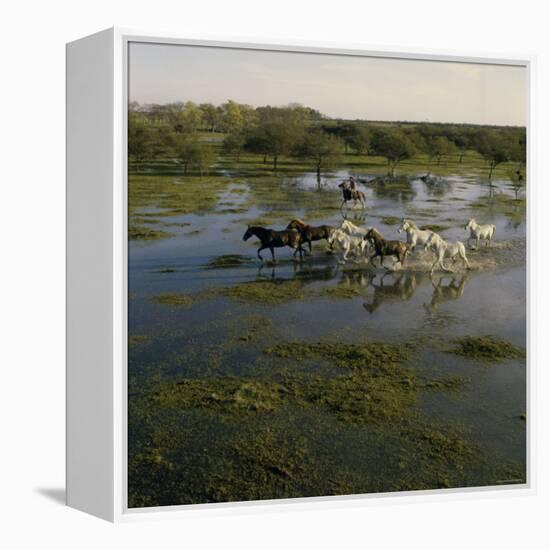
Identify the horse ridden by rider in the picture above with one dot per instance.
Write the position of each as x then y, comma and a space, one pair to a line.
351, 193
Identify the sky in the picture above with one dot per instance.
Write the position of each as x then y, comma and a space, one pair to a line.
368, 88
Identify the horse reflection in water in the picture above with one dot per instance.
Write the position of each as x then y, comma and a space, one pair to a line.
402, 288
305, 272
445, 292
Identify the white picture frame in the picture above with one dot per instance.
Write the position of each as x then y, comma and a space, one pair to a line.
97, 74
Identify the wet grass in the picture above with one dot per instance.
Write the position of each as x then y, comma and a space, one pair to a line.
486, 348
194, 195
226, 261
140, 233
377, 355
245, 438
434, 227
390, 220
175, 300
256, 292
265, 292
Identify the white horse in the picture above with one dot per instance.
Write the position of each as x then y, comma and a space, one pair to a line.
352, 229
442, 249
415, 235
478, 232
348, 243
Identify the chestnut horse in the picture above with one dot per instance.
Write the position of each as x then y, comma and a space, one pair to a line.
382, 247
311, 233
349, 194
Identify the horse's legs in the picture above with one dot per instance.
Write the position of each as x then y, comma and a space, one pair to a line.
343, 204
346, 251
310, 250
259, 250
465, 260
273, 254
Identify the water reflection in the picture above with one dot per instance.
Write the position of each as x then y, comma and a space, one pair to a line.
445, 290
400, 189
438, 187
399, 287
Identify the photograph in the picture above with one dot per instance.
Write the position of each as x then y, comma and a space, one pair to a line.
327, 274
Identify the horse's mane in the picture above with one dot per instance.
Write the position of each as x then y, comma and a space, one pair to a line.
376, 233
410, 222
352, 224
298, 221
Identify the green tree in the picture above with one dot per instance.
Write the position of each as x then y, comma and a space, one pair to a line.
192, 153
359, 139
233, 119
234, 144
322, 148
211, 116
185, 117
495, 147
439, 146
394, 145
140, 137
278, 131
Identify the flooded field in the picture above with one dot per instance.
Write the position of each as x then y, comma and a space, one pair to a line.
253, 380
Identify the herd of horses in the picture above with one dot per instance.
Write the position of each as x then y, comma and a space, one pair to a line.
367, 243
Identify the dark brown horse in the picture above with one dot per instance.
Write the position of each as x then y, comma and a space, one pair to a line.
311, 233
275, 239
349, 194
382, 247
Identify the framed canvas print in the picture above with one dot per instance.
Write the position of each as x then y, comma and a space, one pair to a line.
295, 274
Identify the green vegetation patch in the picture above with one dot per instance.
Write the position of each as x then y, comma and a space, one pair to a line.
138, 232
174, 299
434, 227
265, 292
226, 260
486, 348
374, 355
390, 220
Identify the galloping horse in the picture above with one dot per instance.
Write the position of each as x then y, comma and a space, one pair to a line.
352, 229
275, 239
478, 232
310, 233
415, 235
443, 249
347, 243
350, 194
397, 249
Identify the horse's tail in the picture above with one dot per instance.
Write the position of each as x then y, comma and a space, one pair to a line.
494, 228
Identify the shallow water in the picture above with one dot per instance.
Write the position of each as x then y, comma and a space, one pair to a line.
400, 306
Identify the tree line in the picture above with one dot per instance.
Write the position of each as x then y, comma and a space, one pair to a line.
181, 131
